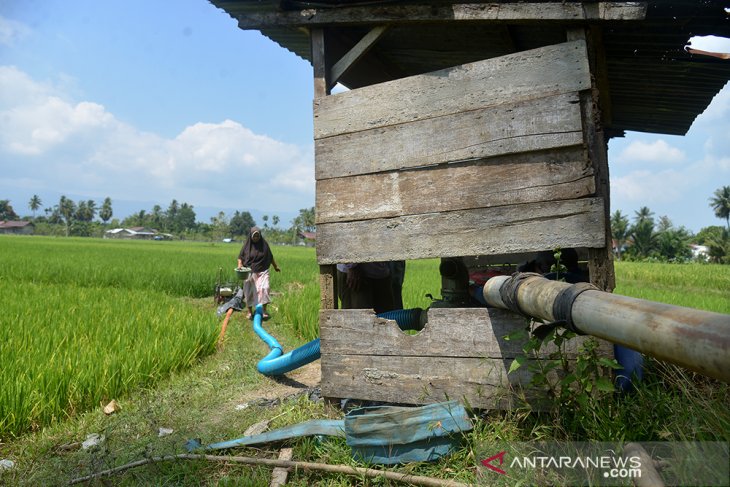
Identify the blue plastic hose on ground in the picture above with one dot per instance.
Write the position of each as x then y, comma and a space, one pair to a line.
278, 363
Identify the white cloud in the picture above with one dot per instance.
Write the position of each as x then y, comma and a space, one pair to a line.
79, 147
646, 187
12, 31
718, 110
658, 151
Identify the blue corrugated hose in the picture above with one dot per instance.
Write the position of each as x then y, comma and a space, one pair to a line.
277, 362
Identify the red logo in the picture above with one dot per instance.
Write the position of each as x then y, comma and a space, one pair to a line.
488, 462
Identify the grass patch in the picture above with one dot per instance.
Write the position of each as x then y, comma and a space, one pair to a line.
202, 396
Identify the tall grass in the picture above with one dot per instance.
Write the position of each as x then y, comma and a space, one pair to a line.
86, 320
66, 348
175, 268
700, 286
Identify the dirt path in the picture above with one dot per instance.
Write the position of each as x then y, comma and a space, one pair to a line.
297, 381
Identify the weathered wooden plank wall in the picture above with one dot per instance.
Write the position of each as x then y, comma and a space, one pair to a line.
460, 354
497, 230
485, 158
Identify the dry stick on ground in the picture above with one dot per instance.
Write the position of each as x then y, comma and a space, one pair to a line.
343, 469
279, 475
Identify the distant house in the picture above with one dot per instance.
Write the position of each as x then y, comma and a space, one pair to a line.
17, 227
137, 233
700, 252
307, 238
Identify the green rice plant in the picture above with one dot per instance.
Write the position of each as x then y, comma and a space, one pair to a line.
64, 349
176, 268
421, 278
698, 286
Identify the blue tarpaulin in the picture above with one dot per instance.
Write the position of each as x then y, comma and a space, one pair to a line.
379, 435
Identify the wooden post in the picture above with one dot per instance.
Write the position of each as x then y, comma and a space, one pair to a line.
327, 273
600, 260
318, 63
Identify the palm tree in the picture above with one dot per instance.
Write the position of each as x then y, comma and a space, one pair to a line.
644, 213
34, 203
642, 232
619, 230
106, 210
644, 237
720, 202
91, 208
67, 208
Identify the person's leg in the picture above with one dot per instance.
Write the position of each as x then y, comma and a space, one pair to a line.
364, 297
262, 289
249, 294
381, 294
343, 292
397, 276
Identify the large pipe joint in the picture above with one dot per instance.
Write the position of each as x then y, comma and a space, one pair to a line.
696, 339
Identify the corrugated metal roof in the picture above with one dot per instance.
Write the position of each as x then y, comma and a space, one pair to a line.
15, 224
653, 84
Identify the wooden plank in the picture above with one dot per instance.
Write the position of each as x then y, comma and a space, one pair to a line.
328, 287
279, 474
464, 12
352, 56
523, 178
540, 124
484, 231
482, 383
453, 332
621, 10
550, 70
460, 354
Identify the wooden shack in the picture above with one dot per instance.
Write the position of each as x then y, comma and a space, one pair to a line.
478, 131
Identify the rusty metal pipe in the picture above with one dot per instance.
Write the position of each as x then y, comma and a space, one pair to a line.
695, 339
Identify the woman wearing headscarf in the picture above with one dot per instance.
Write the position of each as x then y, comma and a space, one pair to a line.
257, 255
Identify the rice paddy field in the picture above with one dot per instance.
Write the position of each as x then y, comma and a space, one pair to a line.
85, 320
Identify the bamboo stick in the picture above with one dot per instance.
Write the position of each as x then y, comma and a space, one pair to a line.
342, 469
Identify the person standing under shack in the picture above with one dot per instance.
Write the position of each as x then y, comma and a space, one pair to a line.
365, 286
257, 255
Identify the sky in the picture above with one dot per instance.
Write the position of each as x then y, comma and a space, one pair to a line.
146, 101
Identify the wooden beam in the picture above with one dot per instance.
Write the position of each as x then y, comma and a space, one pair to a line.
354, 54
484, 231
463, 12
319, 64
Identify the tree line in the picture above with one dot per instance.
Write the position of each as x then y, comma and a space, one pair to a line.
643, 238
87, 219
648, 239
